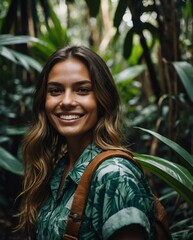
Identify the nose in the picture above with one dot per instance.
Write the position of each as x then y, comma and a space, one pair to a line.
68, 99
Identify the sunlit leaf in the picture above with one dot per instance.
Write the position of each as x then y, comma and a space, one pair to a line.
137, 52
186, 156
185, 72
20, 58
28, 61
130, 73
7, 39
176, 176
5, 52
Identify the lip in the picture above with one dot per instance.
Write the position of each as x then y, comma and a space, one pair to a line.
69, 116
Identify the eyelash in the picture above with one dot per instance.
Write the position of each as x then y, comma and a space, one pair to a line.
57, 91
83, 90
54, 91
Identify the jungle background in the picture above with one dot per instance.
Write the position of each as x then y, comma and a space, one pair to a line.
148, 48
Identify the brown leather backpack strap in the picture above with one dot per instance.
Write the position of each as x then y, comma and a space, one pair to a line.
82, 191
161, 222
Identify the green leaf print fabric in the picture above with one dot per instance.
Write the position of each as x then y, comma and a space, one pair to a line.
119, 196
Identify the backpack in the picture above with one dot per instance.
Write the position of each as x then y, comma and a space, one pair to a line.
81, 194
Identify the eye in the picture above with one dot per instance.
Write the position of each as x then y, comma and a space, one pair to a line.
54, 91
84, 90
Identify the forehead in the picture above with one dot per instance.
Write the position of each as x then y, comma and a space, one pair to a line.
70, 69
70, 64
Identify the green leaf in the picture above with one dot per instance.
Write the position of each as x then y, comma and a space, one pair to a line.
137, 52
128, 44
54, 31
20, 58
94, 7
12, 131
120, 11
5, 52
182, 222
185, 72
8, 39
10, 163
56, 21
129, 73
179, 178
185, 156
28, 61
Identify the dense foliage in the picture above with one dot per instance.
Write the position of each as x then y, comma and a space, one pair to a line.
148, 47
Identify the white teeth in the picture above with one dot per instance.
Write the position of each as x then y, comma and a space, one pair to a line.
69, 117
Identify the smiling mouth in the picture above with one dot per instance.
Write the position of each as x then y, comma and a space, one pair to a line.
69, 117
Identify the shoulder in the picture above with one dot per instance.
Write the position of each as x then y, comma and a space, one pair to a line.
117, 167
119, 196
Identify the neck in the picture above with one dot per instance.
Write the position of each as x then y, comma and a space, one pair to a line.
75, 149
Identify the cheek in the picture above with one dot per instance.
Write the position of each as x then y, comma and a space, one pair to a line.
91, 105
94, 111
50, 103
49, 106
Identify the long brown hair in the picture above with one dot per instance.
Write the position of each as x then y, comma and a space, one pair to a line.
42, 145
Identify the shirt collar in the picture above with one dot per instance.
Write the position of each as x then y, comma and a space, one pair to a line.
75, 174
85, 158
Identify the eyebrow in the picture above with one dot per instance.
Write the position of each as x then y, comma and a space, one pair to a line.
76, 83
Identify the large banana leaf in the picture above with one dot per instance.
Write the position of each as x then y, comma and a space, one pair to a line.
20, 58
186, 159
178, 177
16, 57
185, 72
8, 39
10, 163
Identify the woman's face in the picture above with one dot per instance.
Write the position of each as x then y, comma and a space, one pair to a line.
71, 105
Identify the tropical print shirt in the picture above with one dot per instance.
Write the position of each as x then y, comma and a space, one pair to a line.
119, 196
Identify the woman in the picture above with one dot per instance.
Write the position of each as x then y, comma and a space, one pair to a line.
76, 116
